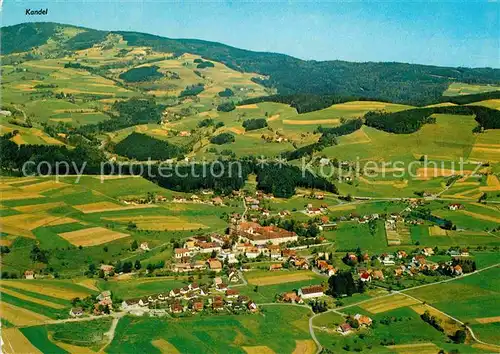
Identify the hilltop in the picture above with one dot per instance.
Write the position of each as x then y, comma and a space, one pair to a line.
395, 82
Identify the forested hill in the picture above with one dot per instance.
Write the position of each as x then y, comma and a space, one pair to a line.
395, 82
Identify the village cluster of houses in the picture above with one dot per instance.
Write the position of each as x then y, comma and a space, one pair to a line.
253, 241
410, 267
191, 298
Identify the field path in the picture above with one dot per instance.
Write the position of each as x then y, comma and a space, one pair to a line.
402, 292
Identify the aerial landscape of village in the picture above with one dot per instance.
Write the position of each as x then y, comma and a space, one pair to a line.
163, 195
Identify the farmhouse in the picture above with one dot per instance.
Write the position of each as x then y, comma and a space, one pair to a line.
144, 246
309, 292
455, 206
427, 251
29, 274
130, 304
262, 235
365, 277
291, 297
214, 265
362, 320
182, 253
107, 269
276, 267
76, 312
209, 247
344, 328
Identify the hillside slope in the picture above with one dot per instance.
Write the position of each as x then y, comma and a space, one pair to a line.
396, 82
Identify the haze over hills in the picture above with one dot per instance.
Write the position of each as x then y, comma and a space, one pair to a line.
396, 82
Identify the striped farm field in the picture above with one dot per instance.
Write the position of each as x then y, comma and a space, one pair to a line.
15, 342
279, 278
39, 207
32, 221
31, 298
14, 230
420, 348
248, 106
53, 289
437, 231
43, 186
388, 303
488, 319
19, 316
100, 207
158, 222
480, 216
92, 236
16, 194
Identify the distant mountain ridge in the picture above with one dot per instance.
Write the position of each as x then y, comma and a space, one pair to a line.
396, 82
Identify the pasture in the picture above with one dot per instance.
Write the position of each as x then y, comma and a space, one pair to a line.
277, 330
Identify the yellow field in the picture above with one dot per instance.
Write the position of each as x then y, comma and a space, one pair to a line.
30, 298
74, 349
417, 348
100, 207
274, 117
305, 346
16, 180
279, 279
488, 319
92, 236
158, 222
14, 230
247, 106
41, 287
15, 342
491, 348
39, 207
29, 221
424, 173
89, 284
388, 303
17, 194
311, 121
258, 349
164, 347
437, 231
480, 216
19, 316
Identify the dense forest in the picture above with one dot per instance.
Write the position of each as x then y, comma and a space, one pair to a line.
281, 180
223, 138
409, 121
142, 147
396, 82
192, 90
254, 124
143, 73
